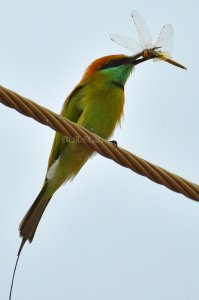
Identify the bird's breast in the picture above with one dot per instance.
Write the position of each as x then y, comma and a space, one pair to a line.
102, 108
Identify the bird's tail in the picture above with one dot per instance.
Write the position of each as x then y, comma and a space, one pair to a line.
29, 223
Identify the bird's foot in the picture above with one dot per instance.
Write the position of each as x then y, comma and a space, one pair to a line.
114, 143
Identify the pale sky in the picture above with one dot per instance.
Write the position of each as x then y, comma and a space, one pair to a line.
109, 234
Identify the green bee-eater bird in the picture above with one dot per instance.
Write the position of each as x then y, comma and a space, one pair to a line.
96, 103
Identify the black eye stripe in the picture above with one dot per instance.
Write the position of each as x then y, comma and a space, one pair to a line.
114, 63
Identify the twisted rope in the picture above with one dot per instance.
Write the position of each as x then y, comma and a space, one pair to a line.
98, 144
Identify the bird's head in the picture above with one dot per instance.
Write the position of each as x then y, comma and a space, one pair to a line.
114, 67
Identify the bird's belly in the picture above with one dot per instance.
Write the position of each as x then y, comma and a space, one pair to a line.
69, 163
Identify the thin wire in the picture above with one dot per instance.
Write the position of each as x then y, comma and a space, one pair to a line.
98, 144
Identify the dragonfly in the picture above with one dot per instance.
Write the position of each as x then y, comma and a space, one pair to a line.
160, 51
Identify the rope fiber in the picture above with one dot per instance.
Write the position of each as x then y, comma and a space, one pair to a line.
98, 144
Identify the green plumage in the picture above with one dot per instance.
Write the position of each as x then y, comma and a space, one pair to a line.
96, 103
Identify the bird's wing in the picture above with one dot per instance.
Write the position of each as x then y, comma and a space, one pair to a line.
72, 111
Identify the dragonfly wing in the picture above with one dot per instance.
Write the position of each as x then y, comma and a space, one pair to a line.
143, 30
126, 42
165, 39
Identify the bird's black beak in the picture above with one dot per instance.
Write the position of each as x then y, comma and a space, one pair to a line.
138, 58
133, 60
150, 54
